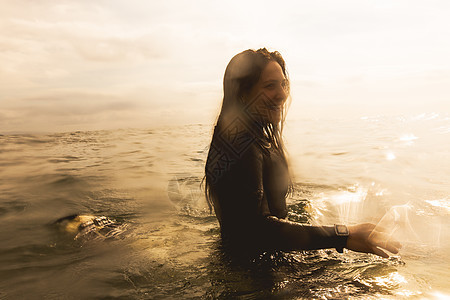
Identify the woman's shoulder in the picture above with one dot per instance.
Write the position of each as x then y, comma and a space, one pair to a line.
228, 154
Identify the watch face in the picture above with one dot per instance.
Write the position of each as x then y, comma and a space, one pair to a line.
341, 230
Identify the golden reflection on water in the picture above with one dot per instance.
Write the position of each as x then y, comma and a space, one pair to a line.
408, 138
439, 295
390, 156
389, 281
442, 204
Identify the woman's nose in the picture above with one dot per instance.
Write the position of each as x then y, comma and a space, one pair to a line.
281, 95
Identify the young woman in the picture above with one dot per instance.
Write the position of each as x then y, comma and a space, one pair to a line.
247, 176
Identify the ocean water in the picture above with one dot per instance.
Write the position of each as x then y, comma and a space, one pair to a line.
391, 171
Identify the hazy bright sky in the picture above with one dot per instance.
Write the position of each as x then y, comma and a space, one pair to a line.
100, 64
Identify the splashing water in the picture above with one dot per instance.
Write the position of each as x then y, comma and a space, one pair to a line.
418, 234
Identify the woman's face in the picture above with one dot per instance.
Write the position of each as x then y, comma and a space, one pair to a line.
268, 95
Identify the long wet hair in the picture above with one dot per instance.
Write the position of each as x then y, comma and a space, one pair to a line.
241, 75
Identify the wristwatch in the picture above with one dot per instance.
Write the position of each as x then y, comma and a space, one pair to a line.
342, 233
341, 230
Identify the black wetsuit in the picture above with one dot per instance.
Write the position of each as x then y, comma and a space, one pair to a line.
249, 182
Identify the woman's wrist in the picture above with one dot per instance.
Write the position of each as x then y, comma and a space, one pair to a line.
342, 234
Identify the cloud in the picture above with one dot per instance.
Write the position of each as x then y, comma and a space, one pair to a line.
92, 61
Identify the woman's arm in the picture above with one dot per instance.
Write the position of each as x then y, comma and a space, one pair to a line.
362, 237
287, 235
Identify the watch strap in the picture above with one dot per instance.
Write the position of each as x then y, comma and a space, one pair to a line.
342, 234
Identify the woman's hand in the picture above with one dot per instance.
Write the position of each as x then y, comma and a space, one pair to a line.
364, 238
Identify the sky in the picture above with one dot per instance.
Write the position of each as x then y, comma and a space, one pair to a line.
103, 64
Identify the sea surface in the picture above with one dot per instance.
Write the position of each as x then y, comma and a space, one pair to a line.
392, 171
